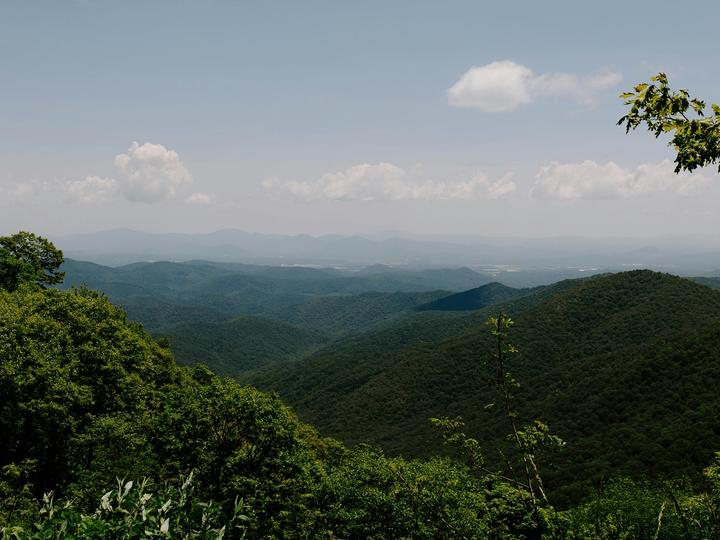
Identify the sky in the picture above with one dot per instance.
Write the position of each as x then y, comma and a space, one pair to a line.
335, 117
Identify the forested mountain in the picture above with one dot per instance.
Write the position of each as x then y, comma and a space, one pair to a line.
240, 344
406, 330
480, 297
237, 317
88, 397
157, 293
623, 366
336, 315
368, 365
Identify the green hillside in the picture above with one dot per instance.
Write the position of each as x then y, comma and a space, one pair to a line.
87, 398
623, 366
105, 436
480, 297
155, 312
343, 314
224, 289
166, 293
353, 360
239, 344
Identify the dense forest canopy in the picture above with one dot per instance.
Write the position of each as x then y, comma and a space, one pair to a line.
624, 367
26, 257
87, 397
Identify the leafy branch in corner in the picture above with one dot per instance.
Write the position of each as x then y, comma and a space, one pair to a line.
696, 137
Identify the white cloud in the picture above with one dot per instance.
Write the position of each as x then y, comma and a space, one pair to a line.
591, 180
497, 87
147, 173
91, 189
388, 182
150, 173
504, 86
501, 187
199, 198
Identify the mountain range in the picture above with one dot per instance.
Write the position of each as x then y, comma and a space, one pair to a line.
518, 262
623, 366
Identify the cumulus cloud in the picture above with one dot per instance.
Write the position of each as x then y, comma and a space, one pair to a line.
147, 173
592, 180
91, 189
388, 182
199, 198
500, 188
150, 173
504, 86
497, 87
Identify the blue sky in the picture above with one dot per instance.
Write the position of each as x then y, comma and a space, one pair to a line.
335, 117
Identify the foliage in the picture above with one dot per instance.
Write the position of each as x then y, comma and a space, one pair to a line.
134, 511
529, 442
28, 258
695, 139
368, 495
86, 396
624, 367
535, 438
240, 344
630, 509
73, 373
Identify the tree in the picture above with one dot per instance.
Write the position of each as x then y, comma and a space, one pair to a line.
530, 441
28, 258
696, 137
135, 510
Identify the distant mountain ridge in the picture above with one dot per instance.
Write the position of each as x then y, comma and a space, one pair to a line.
550, 259
124, 246
238, 317
480, 297
165, 277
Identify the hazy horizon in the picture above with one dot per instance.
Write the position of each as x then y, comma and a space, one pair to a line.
562, 257
404, 234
